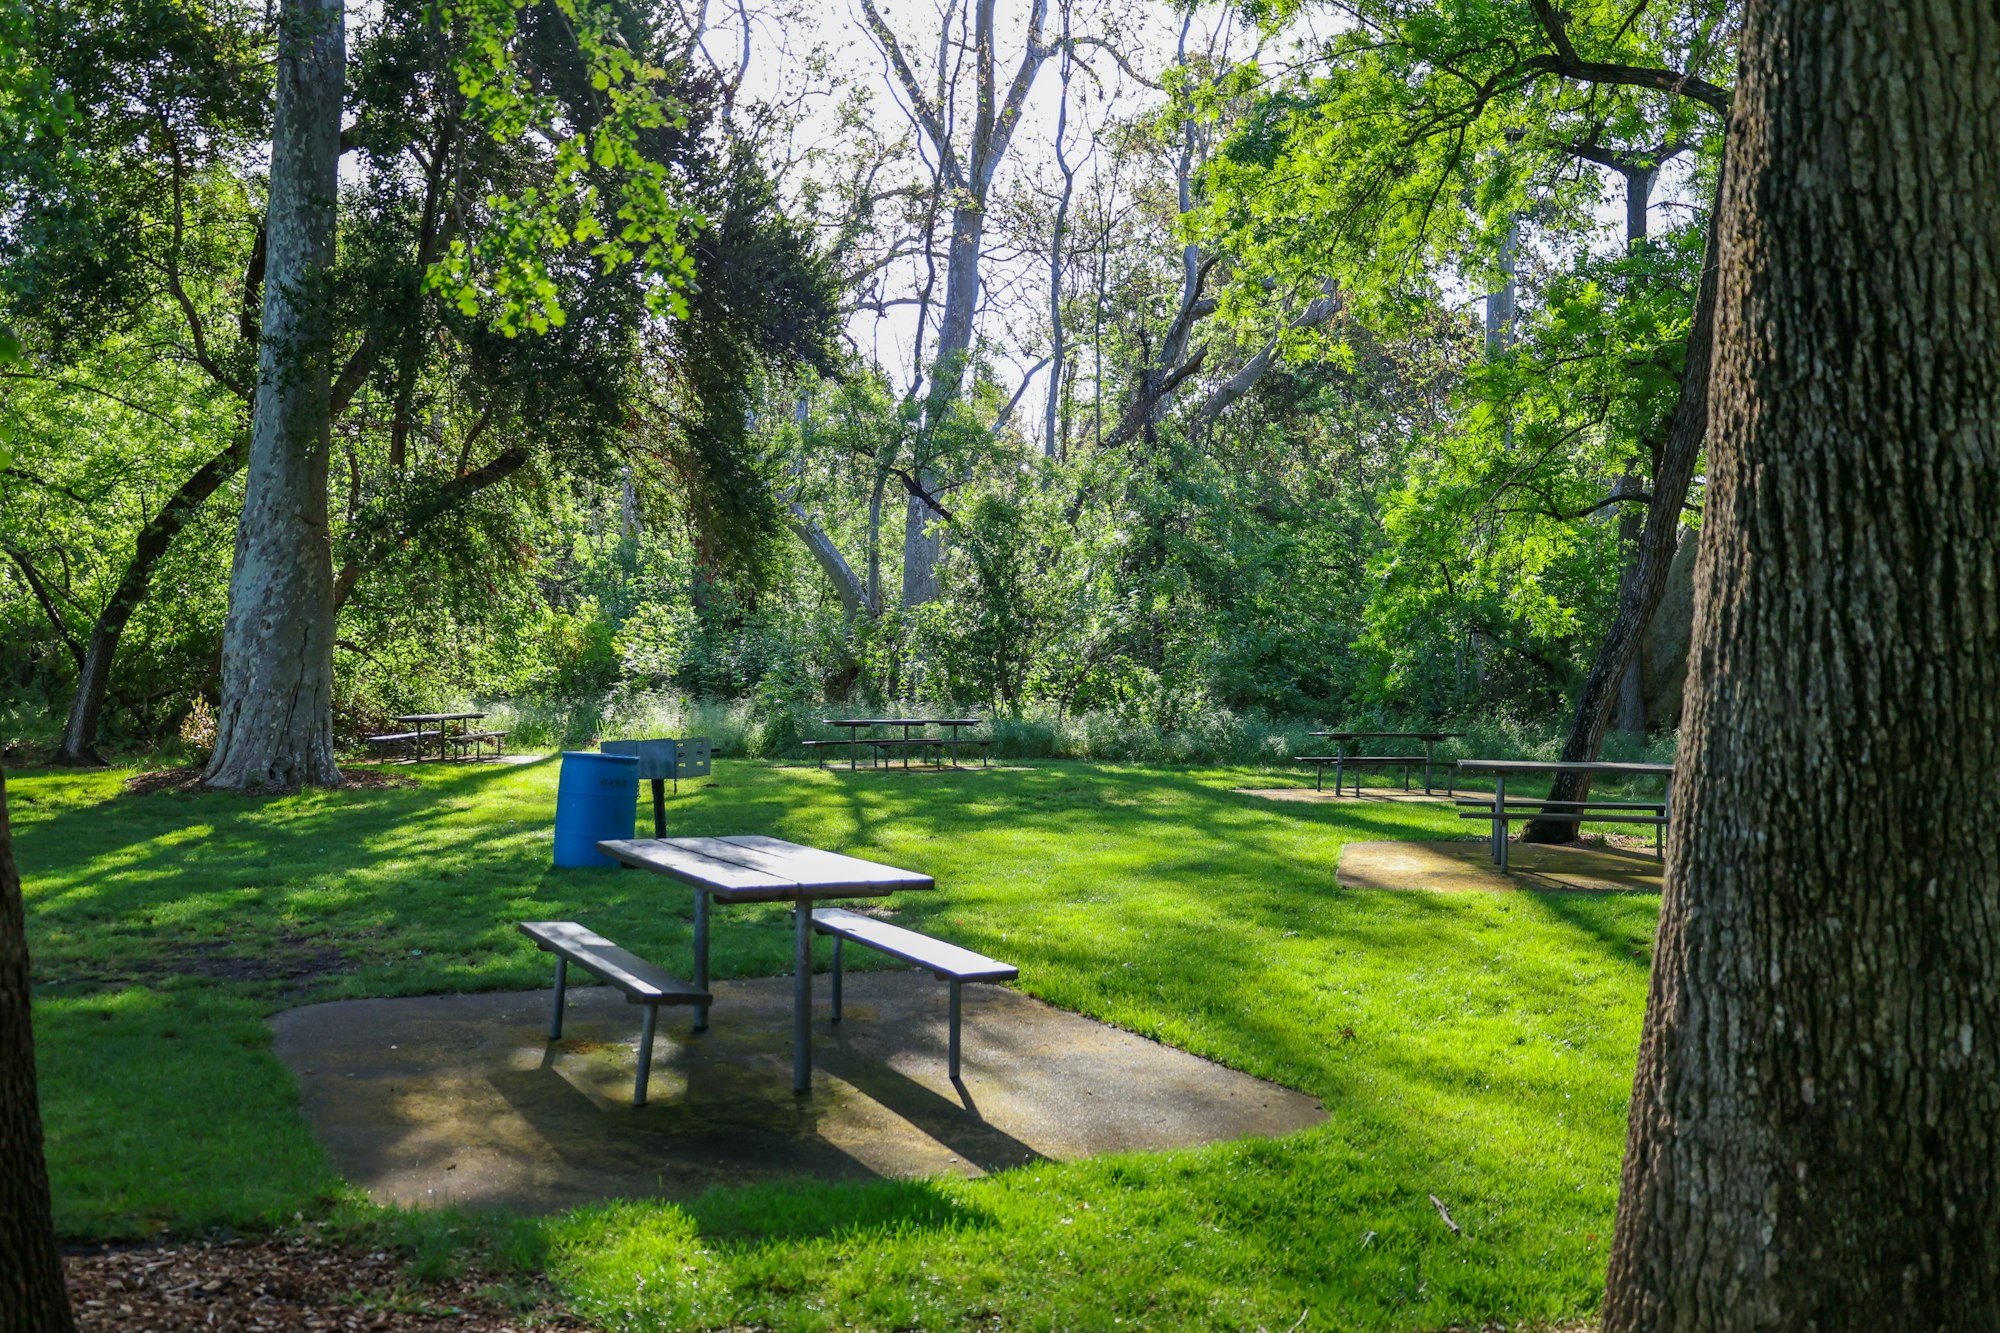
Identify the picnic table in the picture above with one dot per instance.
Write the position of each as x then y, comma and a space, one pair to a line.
856, 725
443, 735
1501, 769
1341, 759
751, 868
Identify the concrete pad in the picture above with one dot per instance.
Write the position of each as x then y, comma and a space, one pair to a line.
1467, 866
461, 1099
1346, 797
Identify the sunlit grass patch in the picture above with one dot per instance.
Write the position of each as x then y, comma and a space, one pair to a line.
1478, 1048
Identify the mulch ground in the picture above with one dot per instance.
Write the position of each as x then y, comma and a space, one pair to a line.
287, 1285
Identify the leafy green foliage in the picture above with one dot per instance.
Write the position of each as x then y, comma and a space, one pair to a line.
599, 103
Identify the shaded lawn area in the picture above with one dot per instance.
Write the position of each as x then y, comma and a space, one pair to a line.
1470, 1046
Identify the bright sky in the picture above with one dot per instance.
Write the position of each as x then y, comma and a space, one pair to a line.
805, 55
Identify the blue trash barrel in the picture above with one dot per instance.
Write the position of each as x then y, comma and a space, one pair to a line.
595, 799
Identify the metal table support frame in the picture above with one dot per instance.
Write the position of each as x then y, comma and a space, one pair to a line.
802, 996
701, 956
1430, 740
1497, 839
756, 868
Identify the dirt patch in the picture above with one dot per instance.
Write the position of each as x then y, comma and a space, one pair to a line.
1467, 865
292, 959
184, 780
292, 962
289, 1285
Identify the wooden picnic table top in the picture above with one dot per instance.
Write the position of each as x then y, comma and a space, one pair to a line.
437, 717
1385, 735
752, 868
1609, 767
901, 721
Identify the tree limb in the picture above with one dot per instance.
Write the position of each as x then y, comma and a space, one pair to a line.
1007, 412
385, 542
47, 603
927, 116
1317, 312
1568, 63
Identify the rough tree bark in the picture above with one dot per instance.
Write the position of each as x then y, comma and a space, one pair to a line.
1673, 473
33, 1298
1815, 1129
275, 726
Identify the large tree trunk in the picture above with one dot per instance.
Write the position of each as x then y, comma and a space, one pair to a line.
79, 742
1815, 1131
33, 1298
1673, 473
275, 726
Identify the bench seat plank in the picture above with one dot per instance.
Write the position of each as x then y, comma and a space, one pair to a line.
1358, 760
642, 982
1529, 816
946, 960
1537, 803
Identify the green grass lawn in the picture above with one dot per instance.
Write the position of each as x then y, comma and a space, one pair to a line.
1474, 1047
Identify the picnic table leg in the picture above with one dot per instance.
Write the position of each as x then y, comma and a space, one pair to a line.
645, 1055
1427, 767
1340, 767
955, 985
802, 997
836, 977
1500, 821
660, 807
701, 955
556, 1004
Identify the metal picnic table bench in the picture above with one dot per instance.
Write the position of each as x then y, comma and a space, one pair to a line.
1501, 811
1342, 760
463, 738
752, 868
906, 743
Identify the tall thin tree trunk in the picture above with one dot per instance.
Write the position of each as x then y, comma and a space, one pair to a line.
1631, 523
923, 539
33, 1298
875, 540
1631, 707
1051, 439
1815, 1128
79, 742
1673, 473
275, 726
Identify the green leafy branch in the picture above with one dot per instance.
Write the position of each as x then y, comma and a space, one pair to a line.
603, 189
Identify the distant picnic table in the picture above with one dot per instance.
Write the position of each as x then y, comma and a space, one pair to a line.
442, 734
1656, 813
854, 740
1342, 760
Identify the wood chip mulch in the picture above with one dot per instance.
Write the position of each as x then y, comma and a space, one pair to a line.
283, 1286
